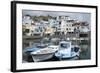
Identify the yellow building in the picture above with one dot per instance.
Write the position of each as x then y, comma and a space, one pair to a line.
49, 31
28, 29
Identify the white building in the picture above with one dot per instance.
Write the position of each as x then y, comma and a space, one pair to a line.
81, 27
30, 27
66, 24
27, 20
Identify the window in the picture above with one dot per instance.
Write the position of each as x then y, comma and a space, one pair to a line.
59, 22
83, 35
66, 28
64, 45
27, 30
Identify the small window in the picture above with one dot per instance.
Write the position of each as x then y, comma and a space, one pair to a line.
83, 35
27, 30
69, 28
66, 28
65, 45
59, 22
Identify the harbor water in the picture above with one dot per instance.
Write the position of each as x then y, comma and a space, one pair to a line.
85, 53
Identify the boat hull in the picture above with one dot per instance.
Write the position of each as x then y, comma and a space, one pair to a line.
42, 57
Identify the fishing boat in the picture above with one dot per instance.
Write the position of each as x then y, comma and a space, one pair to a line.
42, 54
66, 50
26, 53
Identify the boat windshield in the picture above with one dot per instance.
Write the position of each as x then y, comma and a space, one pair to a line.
64, 45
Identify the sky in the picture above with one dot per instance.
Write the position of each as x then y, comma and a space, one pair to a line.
73, 15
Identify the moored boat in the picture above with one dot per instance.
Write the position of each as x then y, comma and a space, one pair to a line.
42, 54
67, 50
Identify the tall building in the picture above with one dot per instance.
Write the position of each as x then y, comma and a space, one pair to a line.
66, 24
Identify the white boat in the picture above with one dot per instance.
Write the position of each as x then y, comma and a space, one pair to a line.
66, 50
54, 47
42, 54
